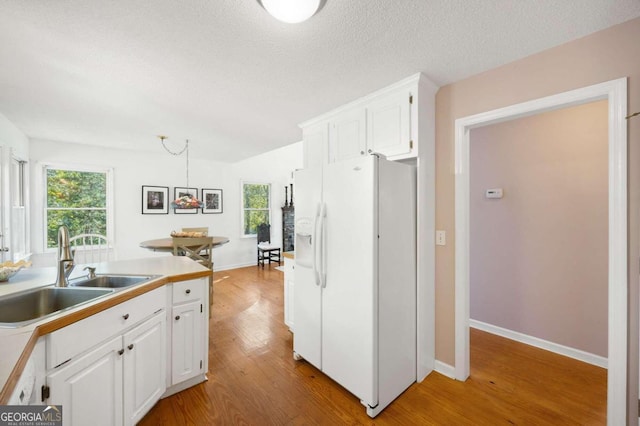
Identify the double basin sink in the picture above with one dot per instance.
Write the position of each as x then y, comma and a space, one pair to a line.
23, 308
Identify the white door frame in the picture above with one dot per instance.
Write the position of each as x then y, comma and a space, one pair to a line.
615, 92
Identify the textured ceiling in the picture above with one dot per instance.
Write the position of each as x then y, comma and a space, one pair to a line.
235, 81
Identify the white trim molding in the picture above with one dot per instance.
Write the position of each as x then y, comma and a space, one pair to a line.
615, 92
444, 369
557, 348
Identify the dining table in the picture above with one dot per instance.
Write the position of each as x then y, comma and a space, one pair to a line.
166, 244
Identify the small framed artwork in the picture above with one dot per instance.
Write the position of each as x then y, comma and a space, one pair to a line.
155, 199
182, 198
212, 201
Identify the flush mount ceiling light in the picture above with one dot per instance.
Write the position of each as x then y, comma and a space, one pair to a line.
291, 11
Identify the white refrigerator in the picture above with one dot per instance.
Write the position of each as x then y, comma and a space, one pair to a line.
355, 276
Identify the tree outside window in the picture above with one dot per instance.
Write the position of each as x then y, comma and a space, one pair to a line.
77, 199
256, 204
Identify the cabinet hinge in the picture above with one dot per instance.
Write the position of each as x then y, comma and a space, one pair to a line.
411, 144
411, 99
201, 308
46, 392
200, 364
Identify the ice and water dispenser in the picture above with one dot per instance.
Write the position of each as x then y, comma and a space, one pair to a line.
304, 243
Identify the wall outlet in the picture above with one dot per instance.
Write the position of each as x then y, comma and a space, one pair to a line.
441, 238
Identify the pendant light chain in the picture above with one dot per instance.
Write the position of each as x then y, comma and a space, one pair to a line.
162, 138
187, 148
190, 201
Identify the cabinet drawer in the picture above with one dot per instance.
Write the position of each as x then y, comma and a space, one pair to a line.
186, 291
74, 339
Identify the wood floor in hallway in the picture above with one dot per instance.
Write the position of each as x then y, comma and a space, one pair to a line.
253, 379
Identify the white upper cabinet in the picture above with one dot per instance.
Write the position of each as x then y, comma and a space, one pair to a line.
389, 124
315, 144
385, 122
347, 135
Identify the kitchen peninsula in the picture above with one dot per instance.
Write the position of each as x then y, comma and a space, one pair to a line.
148, 339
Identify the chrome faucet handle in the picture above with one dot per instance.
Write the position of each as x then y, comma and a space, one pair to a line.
92, 271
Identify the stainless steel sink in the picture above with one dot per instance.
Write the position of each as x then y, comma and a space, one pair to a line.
112, 281
29, 306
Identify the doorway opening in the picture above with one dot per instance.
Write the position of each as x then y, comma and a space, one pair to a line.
615, 92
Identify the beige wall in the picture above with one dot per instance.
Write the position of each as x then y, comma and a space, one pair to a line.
538, 256
603, 56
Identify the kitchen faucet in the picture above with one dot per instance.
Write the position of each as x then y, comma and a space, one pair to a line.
65, 257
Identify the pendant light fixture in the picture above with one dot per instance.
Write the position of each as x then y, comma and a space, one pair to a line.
188, 201
291, 11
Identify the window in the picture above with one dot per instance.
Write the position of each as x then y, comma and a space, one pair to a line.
19, 231
79, 199
256, 207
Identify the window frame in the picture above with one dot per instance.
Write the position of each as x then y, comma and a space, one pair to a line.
108, 171
243, 209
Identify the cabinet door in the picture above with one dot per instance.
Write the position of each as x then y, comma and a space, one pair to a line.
90, 388
186, 346
288, 292
389, 124
347, 135
315, 140
144, 367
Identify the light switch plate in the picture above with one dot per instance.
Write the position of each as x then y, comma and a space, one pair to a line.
441, 238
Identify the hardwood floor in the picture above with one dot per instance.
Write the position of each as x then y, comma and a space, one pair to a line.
253, 379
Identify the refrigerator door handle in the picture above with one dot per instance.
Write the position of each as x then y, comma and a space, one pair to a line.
323, 260
314, 241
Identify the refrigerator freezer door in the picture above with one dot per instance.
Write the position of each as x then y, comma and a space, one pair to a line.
307, 298
350, 259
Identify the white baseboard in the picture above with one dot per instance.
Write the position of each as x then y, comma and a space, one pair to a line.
445, 369
583, 356
236, 266
240, 265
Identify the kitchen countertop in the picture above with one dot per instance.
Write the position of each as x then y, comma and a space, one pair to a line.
16, 344
289, 254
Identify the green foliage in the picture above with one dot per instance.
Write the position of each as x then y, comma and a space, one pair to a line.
253, 218
256, 196
256, 206
78, 200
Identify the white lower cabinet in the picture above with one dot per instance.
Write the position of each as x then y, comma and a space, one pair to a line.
288, 292
115, 383
90, 389
189, 332
112, 367
144, 367
186, 353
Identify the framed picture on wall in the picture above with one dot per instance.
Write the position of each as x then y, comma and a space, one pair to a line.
182, 196
155, 199
212, 201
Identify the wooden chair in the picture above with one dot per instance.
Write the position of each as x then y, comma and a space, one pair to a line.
266, 251
89, 248
199, 249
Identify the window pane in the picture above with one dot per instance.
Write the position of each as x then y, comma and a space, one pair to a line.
256, 196
78, 222
253, 218
74, 189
